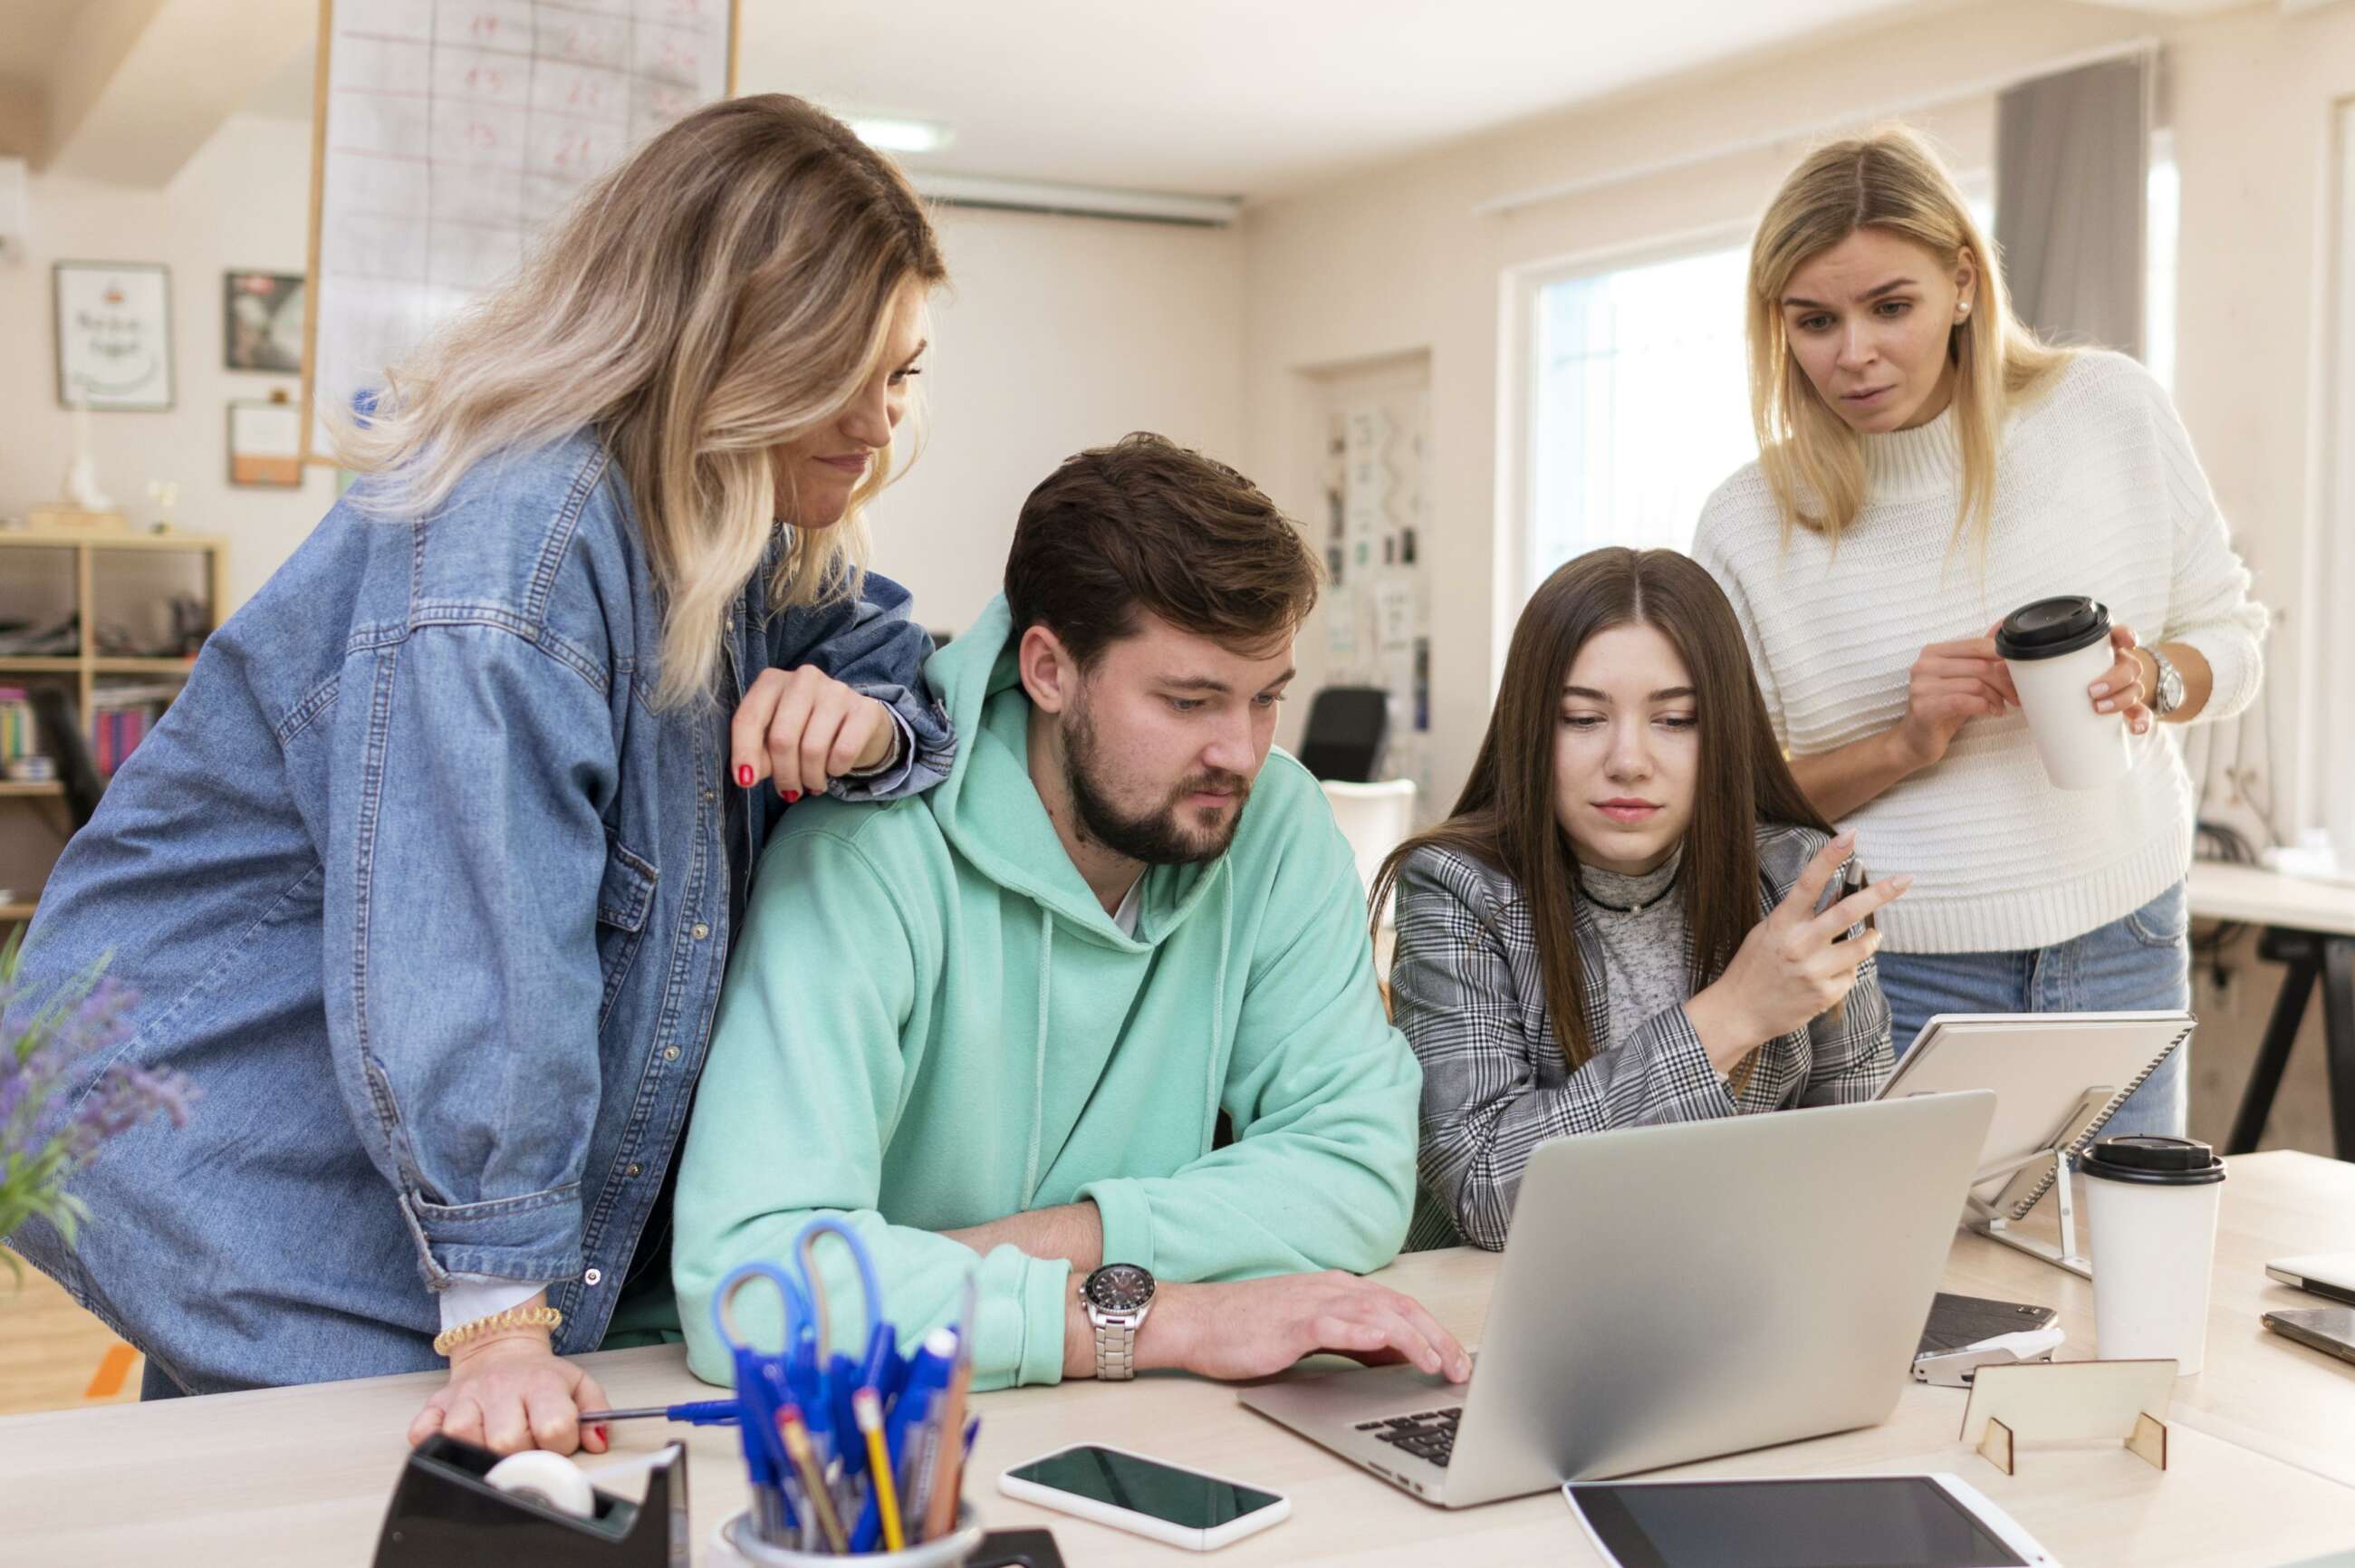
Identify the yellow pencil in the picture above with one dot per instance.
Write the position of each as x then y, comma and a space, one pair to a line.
868, 1410
795, 1432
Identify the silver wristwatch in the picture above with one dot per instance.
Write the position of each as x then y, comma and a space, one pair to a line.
2170, 694
1118, 1298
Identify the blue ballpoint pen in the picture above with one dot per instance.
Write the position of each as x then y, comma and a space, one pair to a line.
700, 1413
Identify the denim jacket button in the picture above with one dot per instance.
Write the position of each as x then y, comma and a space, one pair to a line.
701, 931
671, 1053
594, 1276
633, 1168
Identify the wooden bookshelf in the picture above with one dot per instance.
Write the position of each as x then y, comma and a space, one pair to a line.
33, 822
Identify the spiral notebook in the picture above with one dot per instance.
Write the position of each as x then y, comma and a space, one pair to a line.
2058, 1078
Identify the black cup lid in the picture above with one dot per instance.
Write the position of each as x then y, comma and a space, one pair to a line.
2050, 627
2141, 1156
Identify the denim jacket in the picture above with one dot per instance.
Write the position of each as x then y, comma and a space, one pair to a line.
433, 907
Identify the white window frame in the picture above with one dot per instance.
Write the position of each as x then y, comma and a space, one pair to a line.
1522, 285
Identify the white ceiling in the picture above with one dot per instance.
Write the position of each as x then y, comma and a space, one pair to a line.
1238, 97
1217, 97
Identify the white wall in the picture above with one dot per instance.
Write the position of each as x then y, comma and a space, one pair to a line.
241, 202
1056, 334
1395, 260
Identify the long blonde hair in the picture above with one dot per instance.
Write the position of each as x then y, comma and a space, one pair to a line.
1888, 179
729, 289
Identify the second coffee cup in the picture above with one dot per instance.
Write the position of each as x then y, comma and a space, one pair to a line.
2056, 650
2152, 1202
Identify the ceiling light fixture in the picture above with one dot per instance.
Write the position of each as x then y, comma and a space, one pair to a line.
896, 135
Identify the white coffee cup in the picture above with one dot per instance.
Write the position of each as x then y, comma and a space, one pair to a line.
2055, 649
2151, 1202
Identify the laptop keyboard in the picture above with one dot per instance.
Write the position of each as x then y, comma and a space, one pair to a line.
1430, 1436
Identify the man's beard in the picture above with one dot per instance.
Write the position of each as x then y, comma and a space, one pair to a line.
1160, 837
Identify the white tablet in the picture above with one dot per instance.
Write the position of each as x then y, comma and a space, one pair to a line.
1829, 1521
2040, 1066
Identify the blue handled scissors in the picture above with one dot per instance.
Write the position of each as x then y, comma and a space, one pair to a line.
883, 1368
764, 1386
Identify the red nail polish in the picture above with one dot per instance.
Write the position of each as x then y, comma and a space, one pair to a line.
603, 1432
792, 796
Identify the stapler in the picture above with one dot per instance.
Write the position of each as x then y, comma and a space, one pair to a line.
1952, 1369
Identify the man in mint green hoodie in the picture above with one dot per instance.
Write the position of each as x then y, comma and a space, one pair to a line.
1095, 1021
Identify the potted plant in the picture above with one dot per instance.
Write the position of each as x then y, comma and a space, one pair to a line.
46, 1134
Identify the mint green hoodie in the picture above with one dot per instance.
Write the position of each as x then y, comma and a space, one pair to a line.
930, 1022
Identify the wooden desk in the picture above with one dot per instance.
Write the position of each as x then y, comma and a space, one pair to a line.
2309, 926
2258, 897
2258, 1388
300, 1476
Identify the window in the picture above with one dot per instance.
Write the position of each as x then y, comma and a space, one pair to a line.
1639, 396
1640, 405
2164, 206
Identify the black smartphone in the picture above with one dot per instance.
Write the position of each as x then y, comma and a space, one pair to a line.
1851, 879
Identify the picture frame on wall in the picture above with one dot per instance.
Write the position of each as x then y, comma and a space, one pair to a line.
261, 322
113, 335
265, 443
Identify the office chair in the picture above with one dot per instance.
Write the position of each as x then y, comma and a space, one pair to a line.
1344, 736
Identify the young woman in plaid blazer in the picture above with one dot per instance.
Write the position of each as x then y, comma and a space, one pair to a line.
1625, 921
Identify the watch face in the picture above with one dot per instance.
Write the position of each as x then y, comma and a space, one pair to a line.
1120, 1287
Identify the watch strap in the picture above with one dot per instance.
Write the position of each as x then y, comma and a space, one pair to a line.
1116, 1346
2166, 690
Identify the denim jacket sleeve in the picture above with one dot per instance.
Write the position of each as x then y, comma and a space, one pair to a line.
869, 645
462, 974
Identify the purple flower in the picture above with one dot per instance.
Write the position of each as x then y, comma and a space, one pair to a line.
53, 1118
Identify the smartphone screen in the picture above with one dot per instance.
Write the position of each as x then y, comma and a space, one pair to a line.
1159, 1491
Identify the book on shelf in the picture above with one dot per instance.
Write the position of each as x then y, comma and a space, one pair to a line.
19, 735
121, 716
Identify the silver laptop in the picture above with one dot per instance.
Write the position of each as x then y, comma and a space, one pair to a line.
1672, 1293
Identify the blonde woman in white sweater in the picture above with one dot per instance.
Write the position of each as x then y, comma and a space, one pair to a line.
1927, 466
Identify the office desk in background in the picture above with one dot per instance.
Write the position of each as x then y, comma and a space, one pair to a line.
2309, 926
2262, 1455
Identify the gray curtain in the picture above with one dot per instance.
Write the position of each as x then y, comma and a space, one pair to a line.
2072, 167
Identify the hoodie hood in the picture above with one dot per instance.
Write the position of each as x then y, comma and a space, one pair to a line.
991, 813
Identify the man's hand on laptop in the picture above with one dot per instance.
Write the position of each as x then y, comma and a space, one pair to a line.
1256, 1327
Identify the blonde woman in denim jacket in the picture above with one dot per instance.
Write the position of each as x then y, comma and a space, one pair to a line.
428, 879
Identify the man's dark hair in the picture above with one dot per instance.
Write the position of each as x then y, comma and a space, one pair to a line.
1146, 525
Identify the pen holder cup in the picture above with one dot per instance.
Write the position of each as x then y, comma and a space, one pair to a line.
966, 1546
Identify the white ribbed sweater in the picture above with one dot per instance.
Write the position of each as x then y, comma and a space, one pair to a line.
2098, 493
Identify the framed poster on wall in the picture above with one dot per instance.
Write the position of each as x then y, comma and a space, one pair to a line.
265, 442
114, 335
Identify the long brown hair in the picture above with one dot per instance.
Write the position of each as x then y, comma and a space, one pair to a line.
1506, 818
725, 291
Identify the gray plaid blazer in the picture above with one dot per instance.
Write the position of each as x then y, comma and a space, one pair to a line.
1465, 989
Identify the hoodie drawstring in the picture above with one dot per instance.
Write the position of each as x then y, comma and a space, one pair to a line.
1039, 1065
1215, 1074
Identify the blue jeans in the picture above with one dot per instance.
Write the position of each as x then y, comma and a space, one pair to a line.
2139, 963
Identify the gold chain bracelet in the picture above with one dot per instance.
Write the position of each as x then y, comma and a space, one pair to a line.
450, 1338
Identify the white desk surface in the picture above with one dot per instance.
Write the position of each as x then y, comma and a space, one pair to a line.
2250, 894
300, 1476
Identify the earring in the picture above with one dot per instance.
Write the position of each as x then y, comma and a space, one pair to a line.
1962, 310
